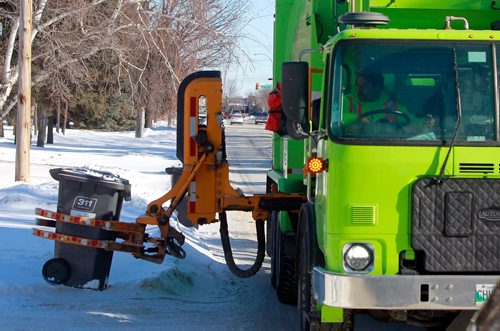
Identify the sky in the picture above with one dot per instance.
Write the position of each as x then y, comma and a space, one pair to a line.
257, 44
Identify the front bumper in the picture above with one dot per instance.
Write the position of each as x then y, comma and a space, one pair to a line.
408, 292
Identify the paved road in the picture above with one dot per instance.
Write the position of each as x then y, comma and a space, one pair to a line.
249, 155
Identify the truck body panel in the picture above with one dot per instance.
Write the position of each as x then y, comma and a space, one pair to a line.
439, 65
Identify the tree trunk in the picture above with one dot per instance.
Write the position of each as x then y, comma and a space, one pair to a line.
58, 119
1, 129
65, 117
50, 129
149, 119
139, 125
42, 127
34, 119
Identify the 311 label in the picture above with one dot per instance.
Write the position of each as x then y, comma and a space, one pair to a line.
84, 203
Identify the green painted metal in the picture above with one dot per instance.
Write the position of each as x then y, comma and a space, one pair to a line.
277, 153
286, 185
366, 194
379, 176
285, 222
414, 34
331, 314
382, 176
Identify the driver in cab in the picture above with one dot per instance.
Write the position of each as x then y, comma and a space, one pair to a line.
369, 103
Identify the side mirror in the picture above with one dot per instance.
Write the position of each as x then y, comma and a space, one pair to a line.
295, 91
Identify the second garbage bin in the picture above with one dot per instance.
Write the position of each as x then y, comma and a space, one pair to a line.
181, 208
93, 194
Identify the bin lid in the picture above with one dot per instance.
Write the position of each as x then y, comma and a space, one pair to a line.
97, 177
174, 170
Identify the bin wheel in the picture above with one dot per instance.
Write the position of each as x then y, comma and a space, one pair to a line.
56, 271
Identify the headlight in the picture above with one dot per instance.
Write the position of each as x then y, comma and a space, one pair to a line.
358, 257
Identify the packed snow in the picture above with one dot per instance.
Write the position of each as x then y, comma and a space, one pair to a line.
197, 293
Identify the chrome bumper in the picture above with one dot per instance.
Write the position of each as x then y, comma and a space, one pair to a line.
398, 292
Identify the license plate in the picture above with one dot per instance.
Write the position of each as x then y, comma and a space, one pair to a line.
483, 292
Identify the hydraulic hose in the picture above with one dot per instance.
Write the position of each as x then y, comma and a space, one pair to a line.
228, 253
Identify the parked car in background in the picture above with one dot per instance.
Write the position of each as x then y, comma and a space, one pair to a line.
253, 115
236, 119
261, 118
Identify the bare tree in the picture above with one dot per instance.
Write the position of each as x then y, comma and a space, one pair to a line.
144, 47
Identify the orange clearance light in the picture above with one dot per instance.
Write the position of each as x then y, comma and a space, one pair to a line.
315, 165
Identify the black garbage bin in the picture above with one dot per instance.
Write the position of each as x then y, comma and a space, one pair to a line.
93, 194
181, 209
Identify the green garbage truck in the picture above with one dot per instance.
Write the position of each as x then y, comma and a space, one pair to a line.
390, 127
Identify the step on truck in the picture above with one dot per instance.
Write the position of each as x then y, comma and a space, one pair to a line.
384, 192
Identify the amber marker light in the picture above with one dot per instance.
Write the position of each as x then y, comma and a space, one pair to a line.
315, 165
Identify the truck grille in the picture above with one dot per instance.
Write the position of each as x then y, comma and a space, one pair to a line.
476, 168
456, 224
363, 215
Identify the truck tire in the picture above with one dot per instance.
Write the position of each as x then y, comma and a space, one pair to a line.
269, 234
283, 276
271, 243
308, 255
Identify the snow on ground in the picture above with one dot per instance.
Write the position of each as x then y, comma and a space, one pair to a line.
198, 293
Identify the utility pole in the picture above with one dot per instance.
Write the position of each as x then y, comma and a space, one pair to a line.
23, 123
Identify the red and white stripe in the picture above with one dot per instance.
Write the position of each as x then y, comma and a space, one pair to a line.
192, 195
193, 126
73, 219
93, 243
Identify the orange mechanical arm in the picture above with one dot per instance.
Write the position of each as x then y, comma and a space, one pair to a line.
204, 182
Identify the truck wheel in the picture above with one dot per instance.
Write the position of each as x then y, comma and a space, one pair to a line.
269, 234
273, 220
304, 284
309, 317
283, 277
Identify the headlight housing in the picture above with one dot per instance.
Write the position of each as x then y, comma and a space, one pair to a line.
358, 257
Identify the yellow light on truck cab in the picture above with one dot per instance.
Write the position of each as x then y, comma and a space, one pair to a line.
315, 165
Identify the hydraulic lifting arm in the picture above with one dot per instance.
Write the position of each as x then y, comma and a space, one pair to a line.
204, 179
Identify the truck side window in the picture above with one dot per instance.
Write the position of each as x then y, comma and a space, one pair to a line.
477, 94
337, 83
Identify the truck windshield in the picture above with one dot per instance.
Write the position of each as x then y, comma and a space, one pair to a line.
401, 92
